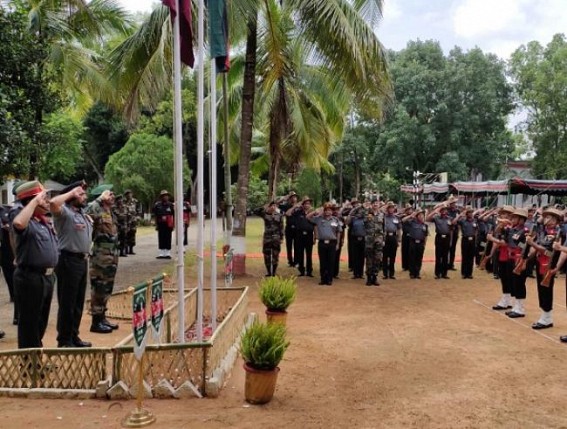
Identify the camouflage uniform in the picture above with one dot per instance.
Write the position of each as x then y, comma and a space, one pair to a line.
122, 214
104, 259
135, 214
374, 243
272, 239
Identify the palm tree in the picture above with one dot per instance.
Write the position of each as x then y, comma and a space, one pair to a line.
71, 30
338, 35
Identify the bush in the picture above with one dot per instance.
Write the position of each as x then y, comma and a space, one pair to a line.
263, 345
277, 293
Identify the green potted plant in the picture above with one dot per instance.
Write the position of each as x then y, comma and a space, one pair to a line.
277, 294
262, 347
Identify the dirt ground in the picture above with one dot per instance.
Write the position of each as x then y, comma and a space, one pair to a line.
407, 354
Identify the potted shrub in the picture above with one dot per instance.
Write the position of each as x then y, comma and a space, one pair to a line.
277, 294
262, 347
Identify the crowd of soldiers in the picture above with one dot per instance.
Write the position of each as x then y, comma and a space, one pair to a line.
64, 241
372, 228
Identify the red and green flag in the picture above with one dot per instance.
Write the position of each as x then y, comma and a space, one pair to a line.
139, 322
157, 307
218, 34
185, 28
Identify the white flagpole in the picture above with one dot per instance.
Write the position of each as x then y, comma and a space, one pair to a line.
213, 194
200, 168
178, 135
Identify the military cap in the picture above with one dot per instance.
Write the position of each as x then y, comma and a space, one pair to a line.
305, 199
15, 186
507, 209
520, 212
164, 192
354, 200
553, 212
292, 194
127, 191
419, 211
73, 185
390, 204
97, 192
469, 209
28, 189
452, 199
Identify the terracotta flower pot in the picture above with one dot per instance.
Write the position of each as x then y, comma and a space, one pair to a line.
276, 316
260, 384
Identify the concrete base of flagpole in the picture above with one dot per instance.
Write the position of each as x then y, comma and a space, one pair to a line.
138, 418
239, 257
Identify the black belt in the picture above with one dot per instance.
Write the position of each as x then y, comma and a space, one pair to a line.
417, 241
74, 254
443, 235
38, 270
328, 241
390, 234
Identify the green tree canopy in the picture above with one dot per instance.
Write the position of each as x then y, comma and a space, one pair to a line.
454, 104
541, 86
144, 165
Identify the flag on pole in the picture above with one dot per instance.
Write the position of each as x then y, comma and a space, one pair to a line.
157, 307
218, 34
185, 28
139, 323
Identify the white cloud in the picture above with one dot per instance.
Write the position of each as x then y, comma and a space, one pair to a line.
481, 18
392, 9
138, 5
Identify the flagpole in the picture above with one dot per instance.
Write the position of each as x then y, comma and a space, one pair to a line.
213, 194
200, 167
178, 192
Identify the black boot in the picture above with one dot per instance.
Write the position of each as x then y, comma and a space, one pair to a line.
98, 327
106, 322
368, 280
375, 281
123, 252
131, 250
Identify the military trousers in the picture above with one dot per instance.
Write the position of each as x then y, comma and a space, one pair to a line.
72, 272
34, 292
544, 293
357, 255
104, 263
304, 255
327, 250
271, 250
442, 248
164, 236
289, 244
390, 251
468, 247
416, 249
453, 249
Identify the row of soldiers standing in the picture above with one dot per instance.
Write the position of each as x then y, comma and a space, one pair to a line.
373, 232
128, 213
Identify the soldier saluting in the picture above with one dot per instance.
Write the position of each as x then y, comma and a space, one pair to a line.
104, 260
273, 235
374, 241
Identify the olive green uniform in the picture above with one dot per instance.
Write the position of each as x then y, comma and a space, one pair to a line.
104, 259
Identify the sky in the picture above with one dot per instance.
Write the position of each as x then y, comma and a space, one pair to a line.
495, 26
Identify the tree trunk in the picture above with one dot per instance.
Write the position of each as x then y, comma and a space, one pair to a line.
248, 91
278, 131
227, 175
